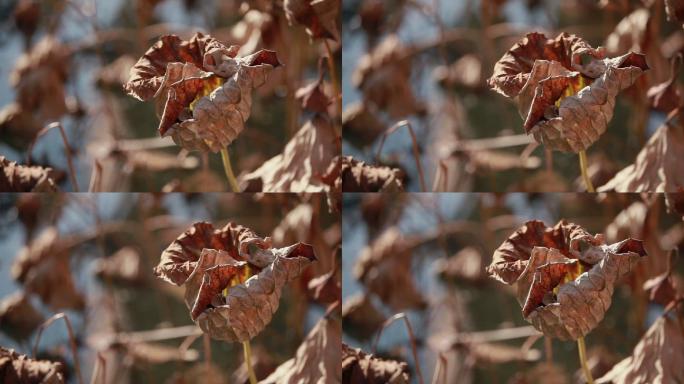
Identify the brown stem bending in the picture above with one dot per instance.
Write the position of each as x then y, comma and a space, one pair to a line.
412, 338
416, 152
67, 150
72, 340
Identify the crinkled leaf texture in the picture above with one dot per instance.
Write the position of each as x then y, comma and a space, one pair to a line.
207, 90
207, 262
657, 358
566, 104
359, 367
19, 369
352, 175
565, 276
22, 178
317, 359
658, 166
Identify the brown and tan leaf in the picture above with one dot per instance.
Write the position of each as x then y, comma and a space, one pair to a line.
313, 98
666, 96
384, 268
675, 11
560, 97
326, 288
360, 317
301, 165
125, 266
43, 268
22, 178
657, 358
467, 265
233, 279
19, 369
357, 176
317, 359
568, 275
207, 90
359, 367
466, 72
656, 168
18, 317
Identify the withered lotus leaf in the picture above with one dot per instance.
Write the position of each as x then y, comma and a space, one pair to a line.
360, 367
233, 279
565, 276
566, 104
657, 167
360, 317
384, 268
19, 369
312, 15
657, 358
317, 359
206, 89
22, 178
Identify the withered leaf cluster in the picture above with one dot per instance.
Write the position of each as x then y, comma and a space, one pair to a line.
206, 89
350, 175
359, 367
565, 276
233, 278
19, 369
22, 178
566, 103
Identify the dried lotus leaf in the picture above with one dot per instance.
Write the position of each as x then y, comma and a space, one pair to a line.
16, 368
359, 367
22, 178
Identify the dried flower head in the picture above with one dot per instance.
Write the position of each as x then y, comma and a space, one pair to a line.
565, 276
233, 279
206, 89
566, 103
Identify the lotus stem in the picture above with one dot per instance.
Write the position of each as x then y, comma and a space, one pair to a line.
583, 360
225, 157
583, 169
248, 361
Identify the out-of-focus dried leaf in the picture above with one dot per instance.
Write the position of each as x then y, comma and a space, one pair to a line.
675, 11
359, 367
207, 90
21, 178
542, 181
26, 17
42, 71
558, 95
657, 358
547, 373
18, 126
18, 317
19, 369
656, 168
466, 72
205, 373
357, 176
661, 289
312, 97
383, 76
360, 125
115, 74
665, 96
301, 165
210, 262
309, 13
384, 267
548, 264
124, 266
43, 269
360, 317
465, 266
28, 207
317, 359
675, 203
326, 288
153, 353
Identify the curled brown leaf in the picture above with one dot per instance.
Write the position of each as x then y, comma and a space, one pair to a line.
559, 96
206, 88
233, 279
18, 317
565, 276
